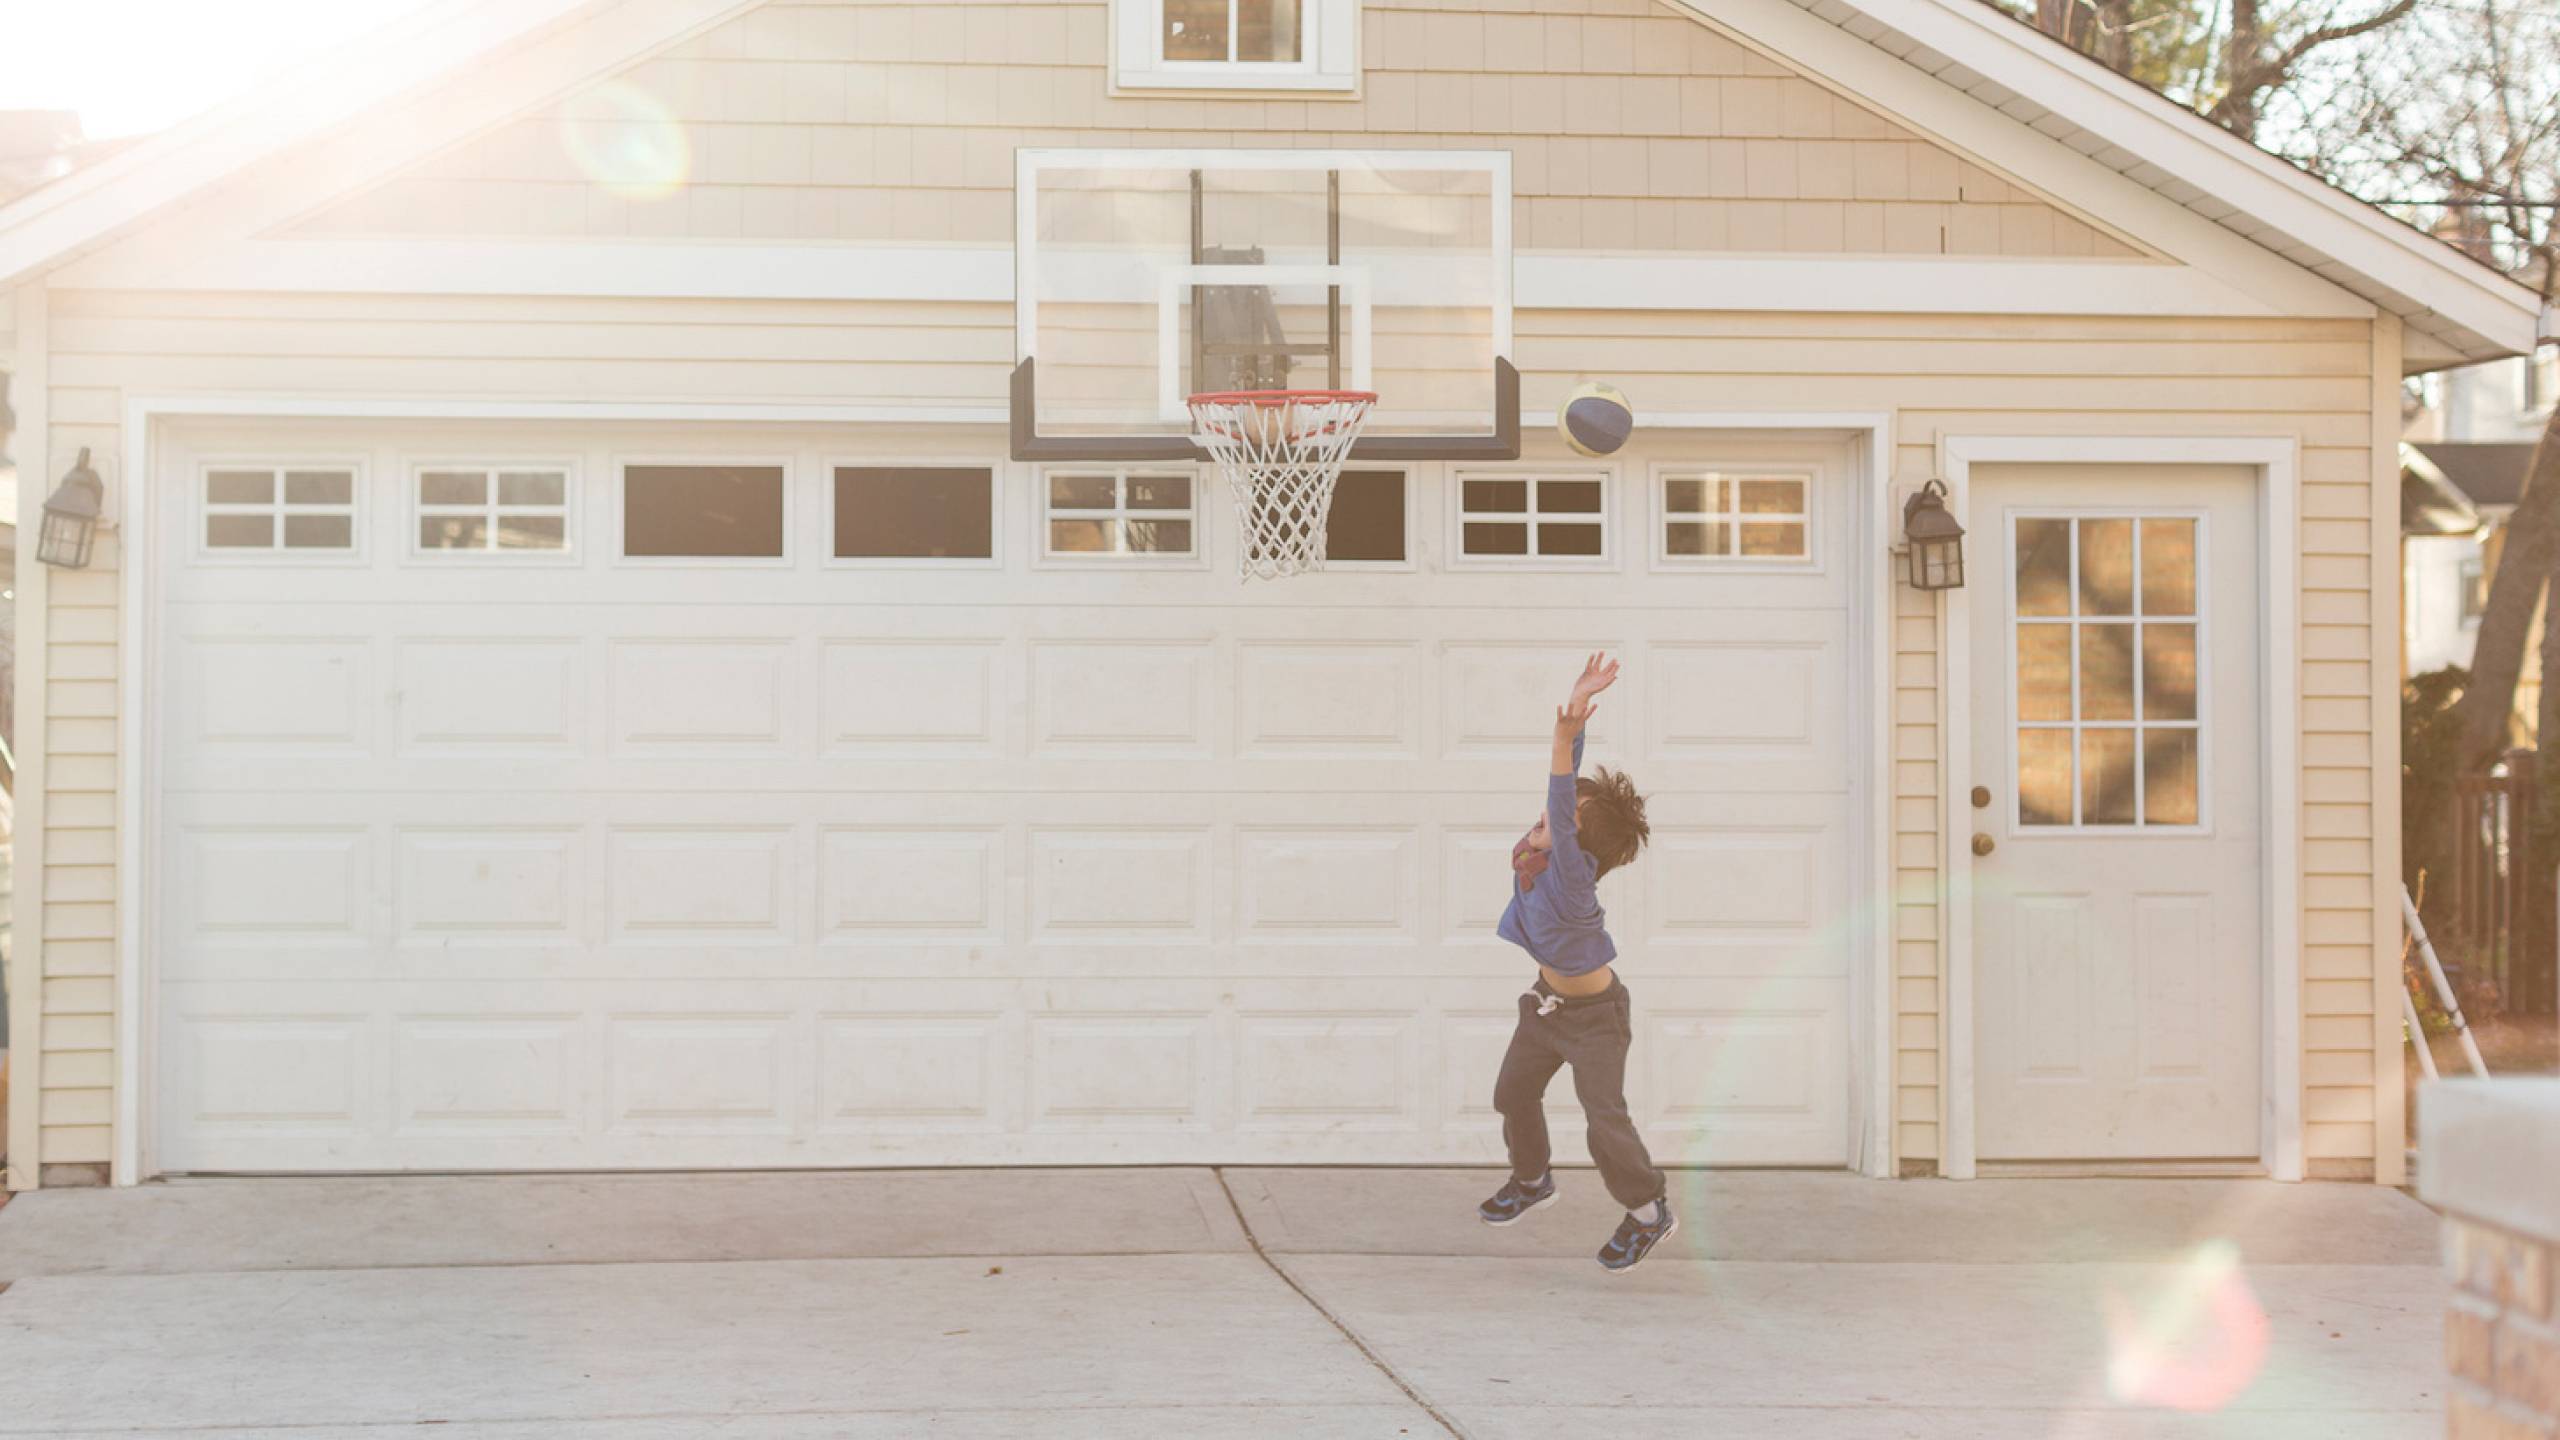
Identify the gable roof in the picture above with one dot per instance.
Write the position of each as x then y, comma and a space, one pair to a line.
1995, 66
2471, 309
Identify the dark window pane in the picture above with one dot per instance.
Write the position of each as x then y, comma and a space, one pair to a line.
453, 487
2044, 777
533, 532
1195, 29
319, 532
1575, 539
1159, 537
1773, 497
239, 532
702, 510
1684, 497
2106, 672
2169, 567
1573, 497
2168, 672
914, 512
240, 487
1495, 496
1495, 538
533, 487
1080, 492
1079, 536
1783, 540
1367, 519
1159, 492
1690, 537
452, 532
319, 487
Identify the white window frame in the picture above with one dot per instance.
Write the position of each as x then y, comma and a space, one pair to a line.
2468, 570
617, 533
201, 507
2538, 381
2202, 725
568, 510
1664, 472
1196, 558
1605, 517
1412, 525
1328, 51
995, 468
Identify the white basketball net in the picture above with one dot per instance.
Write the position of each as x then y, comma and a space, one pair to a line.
1281, 450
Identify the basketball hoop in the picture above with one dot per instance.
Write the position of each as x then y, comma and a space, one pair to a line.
1281, 450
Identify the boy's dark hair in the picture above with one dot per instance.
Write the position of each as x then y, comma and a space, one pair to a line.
1611, 828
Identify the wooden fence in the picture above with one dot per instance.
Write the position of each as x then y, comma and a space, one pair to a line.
2494, 903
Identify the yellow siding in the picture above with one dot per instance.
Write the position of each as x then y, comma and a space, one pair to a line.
1630, 128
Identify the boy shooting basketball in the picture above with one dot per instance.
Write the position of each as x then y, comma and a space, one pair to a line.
1577, 1012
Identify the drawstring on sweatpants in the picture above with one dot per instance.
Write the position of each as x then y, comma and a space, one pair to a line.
1548, 1004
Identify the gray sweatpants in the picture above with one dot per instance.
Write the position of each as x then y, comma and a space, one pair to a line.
1590, 1033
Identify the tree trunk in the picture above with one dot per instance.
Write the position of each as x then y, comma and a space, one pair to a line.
2242, 54
2115, 35
2527, 553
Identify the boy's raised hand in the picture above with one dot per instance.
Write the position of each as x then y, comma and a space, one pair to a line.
1598, 674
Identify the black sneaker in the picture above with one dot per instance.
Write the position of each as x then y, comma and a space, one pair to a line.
1635, 1240
1514, 1200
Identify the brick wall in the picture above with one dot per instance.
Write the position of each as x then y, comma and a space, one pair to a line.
2490, 1159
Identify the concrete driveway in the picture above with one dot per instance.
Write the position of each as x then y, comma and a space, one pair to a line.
1190, 1302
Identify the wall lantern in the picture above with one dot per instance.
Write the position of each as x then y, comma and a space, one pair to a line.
1933, 539
71, 517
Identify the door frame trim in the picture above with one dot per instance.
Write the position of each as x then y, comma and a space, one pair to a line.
2277, 462
1871, 1151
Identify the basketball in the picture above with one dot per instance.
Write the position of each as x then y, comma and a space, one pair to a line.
1595, 419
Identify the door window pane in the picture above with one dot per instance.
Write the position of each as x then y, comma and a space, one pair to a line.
2106, 777
2168, 672
914, 512
2169, 776
2168, 567
2106, 672
2106, 661
2044, 567
2106, 567
2044, 777
702, 511
1366, 521
2044, 672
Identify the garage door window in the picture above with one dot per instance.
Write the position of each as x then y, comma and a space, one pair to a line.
1713, 518
280, 508
915, 512
1554, 517
1119, 512
704, 512
471, 509
1366, 524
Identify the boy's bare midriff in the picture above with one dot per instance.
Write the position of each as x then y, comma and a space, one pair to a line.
1591, 983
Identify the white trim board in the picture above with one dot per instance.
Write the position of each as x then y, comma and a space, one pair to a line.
2278, 464
1871, 993
33, 395
985, 274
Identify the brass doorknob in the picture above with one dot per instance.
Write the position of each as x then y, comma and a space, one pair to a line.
1982, 845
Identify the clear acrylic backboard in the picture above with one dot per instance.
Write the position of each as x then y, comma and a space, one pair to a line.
1145, 276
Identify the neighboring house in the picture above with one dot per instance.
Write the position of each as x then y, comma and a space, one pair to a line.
2455, 496
589, 668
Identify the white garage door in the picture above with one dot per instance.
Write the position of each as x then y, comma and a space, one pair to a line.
493, 830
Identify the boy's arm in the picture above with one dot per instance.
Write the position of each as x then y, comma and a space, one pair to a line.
1564, 764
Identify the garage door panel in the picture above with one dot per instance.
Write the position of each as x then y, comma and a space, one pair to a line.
593, 864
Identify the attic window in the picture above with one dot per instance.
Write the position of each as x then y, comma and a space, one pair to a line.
1235, 44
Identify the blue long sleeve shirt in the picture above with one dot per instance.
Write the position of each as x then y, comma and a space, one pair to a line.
1558, 918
